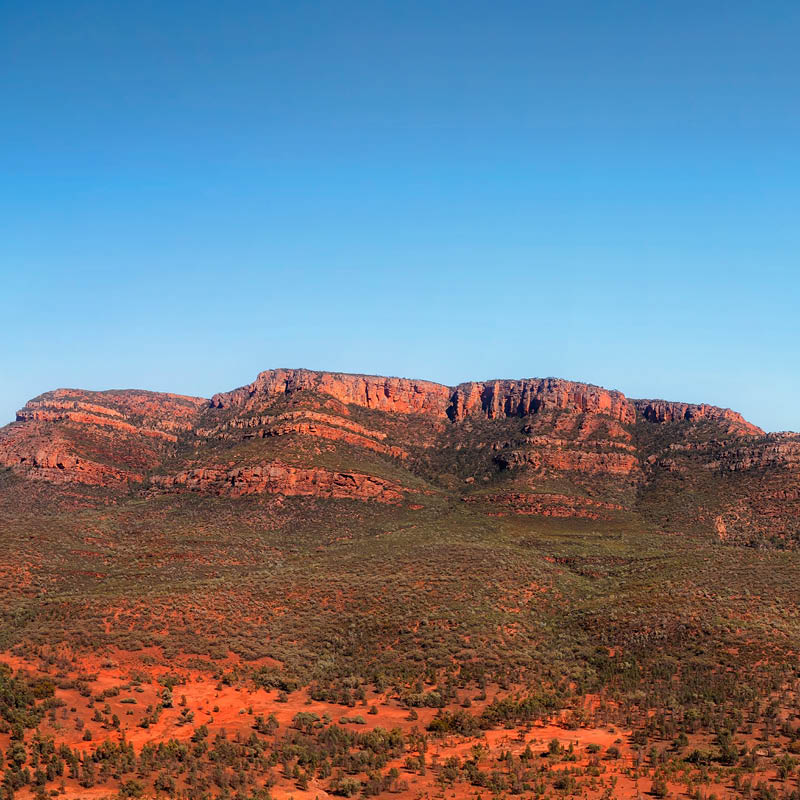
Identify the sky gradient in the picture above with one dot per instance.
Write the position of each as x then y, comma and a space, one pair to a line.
607, 192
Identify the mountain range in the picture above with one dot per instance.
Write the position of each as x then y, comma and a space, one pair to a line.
542, 447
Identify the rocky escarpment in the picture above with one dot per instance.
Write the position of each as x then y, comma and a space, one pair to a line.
395, 395
491, 399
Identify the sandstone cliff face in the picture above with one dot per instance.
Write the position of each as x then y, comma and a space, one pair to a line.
492, 399
397, 395
496, 399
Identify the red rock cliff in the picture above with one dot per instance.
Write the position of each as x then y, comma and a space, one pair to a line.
398, 395
493, 399
523, 397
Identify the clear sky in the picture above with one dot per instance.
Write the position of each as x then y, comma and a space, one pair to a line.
191, 192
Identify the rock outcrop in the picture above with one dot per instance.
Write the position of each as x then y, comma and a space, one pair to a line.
308, 423
277, 478
661, 411
147, 413
103, 439
556, 460
42, 454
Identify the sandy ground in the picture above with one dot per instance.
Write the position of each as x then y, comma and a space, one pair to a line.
233, 709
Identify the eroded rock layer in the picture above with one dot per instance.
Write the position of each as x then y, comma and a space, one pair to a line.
96, 438
277, 478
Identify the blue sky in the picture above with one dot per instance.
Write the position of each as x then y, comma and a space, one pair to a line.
609, 192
